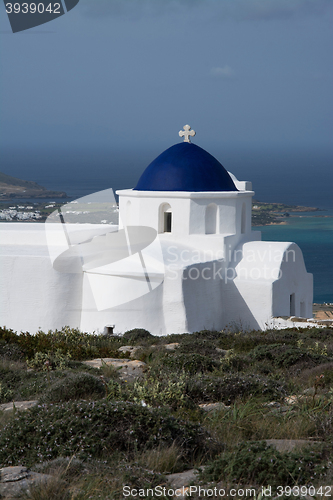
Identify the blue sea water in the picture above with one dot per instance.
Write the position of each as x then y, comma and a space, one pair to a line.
295, 176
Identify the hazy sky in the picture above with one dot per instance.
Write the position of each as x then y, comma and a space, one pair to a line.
115, 73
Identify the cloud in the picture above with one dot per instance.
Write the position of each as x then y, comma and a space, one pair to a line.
226, 73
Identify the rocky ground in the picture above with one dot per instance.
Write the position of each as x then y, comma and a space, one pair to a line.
82, 416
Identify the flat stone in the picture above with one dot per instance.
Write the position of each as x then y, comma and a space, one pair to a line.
284, 445
98, 363
128, 369
272, 404
213, 406
181, 479
19, 405
17, 480
299, 398
291, 400
131, 349
15, 473
171, 347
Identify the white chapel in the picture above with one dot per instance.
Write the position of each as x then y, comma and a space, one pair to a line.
181, 258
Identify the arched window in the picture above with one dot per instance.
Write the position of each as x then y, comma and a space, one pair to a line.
211, 219
243, 219
165, 223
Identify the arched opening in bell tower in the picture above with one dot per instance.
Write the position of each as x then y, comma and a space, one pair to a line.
165, 218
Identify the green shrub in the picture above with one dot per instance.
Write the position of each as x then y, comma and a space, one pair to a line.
6, 395
11, 378
201, 346
152, 392
232, 361
230, 387
75, 386
20, 384
10, 352
8, 335
323, 334
284, 356
69, 341
189, 363
210, 335
95, 429
137, 335
258, 463
239, 341
49, 361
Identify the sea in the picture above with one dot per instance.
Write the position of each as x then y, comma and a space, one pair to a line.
292, 175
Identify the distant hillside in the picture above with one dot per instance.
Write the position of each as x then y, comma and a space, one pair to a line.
11, 187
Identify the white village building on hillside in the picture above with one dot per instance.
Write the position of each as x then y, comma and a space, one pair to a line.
183, 258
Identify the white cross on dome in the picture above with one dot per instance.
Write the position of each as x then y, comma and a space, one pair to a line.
186, 133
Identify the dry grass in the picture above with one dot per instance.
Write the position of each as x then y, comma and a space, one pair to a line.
53, 488
308, 376
162, 459
109, 371
253, 421
66, 485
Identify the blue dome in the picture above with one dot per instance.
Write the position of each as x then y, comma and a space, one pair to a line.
185, 167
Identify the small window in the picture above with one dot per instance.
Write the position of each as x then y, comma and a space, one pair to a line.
108, 330
292, 304
167, 222
165, 218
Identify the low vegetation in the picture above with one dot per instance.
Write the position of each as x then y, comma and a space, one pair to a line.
274, 213
94, 432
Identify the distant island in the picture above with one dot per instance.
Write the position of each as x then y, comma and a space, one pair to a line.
11, 188
265, 214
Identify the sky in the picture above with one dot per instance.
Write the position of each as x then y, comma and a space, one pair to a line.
128, 74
